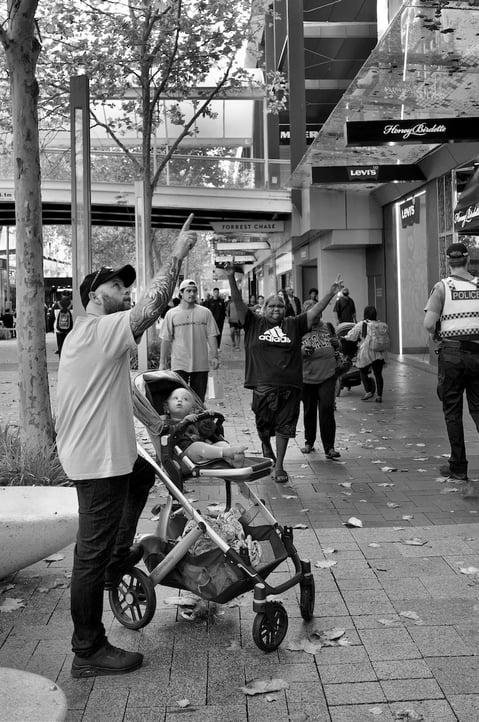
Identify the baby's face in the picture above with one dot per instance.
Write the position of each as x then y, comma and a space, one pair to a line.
180, 403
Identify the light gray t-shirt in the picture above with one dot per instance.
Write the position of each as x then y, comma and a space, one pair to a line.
188, 331
95, 429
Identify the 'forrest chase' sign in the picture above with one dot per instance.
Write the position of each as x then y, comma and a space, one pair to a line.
414, 130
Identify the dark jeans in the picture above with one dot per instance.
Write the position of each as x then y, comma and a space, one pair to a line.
197, 380
319, 398
377, 367
109, 510
458, 371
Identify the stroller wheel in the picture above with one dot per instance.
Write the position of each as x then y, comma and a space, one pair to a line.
270, 627
133, 601
306, 599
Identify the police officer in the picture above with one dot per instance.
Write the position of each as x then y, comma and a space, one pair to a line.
452, 318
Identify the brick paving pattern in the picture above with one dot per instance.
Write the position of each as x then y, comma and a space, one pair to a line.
408, 612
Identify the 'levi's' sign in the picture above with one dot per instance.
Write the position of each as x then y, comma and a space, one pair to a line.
415, 130
363, 172
409, 211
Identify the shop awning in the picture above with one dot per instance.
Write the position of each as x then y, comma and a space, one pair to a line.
466, 212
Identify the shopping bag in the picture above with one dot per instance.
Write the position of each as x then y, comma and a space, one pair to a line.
215, 390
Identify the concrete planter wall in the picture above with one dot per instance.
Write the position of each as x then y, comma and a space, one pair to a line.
35, 521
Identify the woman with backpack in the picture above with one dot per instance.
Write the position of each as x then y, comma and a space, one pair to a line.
373, 337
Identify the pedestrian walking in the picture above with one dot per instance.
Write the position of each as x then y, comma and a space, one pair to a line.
217, 306
274, 367
452, 318
64, 322
373, 337
97, 446
187, 332
344, 308
319, 348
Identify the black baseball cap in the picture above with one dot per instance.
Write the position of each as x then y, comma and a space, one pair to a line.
91, 282
457, 250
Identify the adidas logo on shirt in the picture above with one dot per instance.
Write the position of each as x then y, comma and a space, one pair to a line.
275, 335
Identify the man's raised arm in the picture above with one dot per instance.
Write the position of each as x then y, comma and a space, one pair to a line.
156, 297
236, 298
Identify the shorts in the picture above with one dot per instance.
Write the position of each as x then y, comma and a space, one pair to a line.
276, 410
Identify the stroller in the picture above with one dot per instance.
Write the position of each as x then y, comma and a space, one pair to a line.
189, 550
351, 377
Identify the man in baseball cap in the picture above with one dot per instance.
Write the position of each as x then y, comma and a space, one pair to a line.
189, 342
188, 283
457, 250
91, 282
96, 444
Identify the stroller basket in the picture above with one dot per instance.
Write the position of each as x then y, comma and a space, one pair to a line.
211, 574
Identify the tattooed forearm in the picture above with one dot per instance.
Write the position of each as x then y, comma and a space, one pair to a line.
155, 299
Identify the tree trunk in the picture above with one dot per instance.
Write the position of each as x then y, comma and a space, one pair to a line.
36, 426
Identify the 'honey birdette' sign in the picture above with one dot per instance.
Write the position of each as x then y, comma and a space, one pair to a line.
414, 130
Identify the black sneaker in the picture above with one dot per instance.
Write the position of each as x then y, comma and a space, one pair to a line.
333, 454
106, 660
446, 471
115, 573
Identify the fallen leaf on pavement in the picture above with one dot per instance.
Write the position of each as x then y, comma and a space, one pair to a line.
261, 686
411, 615
54, 558
408, 714
415, 541
183, 702
407, 517
300, 526
375, 710
469, 570
346, 484
386, 484
325, 564
304, 645
329, 550
388, 469
374, 545
11, 605
289, 496
392, 505
387, 622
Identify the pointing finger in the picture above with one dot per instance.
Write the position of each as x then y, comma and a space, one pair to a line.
188, 222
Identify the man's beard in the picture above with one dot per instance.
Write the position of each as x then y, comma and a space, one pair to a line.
113, 305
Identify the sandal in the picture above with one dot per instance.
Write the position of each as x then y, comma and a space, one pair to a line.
280, 478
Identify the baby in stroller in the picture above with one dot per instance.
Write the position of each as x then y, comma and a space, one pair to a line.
198, 438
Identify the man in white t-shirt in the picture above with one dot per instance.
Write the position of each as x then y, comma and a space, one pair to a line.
97, 445
186, 334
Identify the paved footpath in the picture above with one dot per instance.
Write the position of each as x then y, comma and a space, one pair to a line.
404, 588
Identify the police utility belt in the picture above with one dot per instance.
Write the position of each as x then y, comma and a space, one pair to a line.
470, 346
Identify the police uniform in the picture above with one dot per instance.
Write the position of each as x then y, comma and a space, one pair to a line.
456, 300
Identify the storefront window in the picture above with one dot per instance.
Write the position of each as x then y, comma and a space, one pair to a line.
411, 246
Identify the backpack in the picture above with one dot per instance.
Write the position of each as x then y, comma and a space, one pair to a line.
378, 333
64, 321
